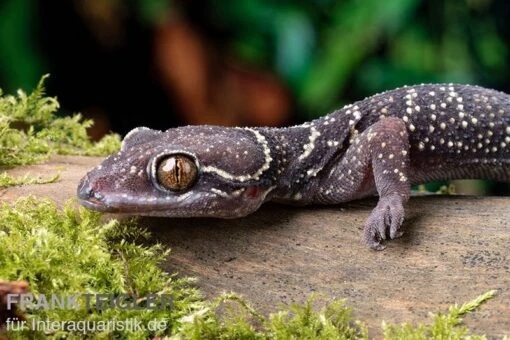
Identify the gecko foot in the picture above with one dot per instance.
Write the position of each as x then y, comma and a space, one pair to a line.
385, 220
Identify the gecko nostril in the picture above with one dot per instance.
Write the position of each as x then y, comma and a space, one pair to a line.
85, 192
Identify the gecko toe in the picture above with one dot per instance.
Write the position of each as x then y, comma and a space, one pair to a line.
372, 239
385, 220
397, 217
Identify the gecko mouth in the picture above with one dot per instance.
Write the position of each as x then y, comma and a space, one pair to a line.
97, 205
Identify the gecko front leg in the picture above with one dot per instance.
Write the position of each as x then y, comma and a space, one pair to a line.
377, 159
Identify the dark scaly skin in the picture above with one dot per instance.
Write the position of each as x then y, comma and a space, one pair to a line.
382, 144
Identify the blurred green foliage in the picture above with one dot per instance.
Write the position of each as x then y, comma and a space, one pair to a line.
328, 52
21, 66
326, 49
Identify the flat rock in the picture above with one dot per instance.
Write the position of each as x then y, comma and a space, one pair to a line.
454, 249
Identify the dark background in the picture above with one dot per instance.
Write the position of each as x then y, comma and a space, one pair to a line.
163, 63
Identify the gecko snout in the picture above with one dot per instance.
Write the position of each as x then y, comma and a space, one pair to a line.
88, 196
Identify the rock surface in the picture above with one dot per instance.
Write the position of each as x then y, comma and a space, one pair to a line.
454, 249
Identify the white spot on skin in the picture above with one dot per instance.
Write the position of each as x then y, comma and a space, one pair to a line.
432, 106
238, 192
314, 172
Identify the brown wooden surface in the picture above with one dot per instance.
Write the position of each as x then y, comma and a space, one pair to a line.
454, 249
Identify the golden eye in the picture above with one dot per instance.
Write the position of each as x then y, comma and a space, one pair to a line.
176, 172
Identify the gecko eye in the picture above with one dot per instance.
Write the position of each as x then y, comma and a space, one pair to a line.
176, 172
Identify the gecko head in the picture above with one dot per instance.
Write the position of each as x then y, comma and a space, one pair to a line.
191, 171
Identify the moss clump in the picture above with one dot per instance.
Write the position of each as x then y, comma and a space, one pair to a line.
30, 130
230, 317
73, 252
10, 181
444, 326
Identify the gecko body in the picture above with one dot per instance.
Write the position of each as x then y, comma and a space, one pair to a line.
380, 145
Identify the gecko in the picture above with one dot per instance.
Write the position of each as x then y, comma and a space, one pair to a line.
381, 145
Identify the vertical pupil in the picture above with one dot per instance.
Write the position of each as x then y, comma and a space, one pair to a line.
177, 169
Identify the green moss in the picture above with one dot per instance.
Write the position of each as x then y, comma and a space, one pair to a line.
8, 181
221, 320
72, 251
445, 326
31, 131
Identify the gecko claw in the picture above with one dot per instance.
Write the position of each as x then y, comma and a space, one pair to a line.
385, 220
